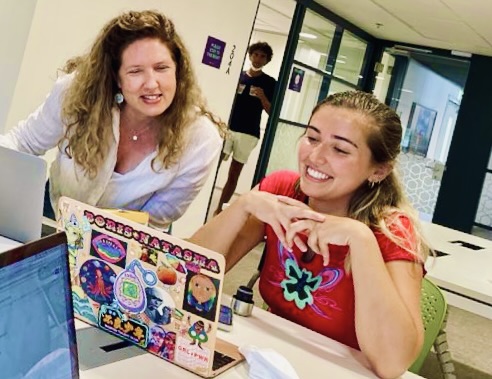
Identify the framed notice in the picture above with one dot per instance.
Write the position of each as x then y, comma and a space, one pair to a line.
419, 130
296, 78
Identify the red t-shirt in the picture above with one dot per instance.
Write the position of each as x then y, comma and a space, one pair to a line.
310, 294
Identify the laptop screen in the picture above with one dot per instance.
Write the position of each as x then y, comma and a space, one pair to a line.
37, 334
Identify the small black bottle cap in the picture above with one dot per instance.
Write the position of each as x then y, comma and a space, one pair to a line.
244, 294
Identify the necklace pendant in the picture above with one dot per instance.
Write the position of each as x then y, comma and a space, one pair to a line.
135, 138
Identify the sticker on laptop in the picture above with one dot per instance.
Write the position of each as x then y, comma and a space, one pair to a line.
108, 249
129, 289
97, 279
115, 322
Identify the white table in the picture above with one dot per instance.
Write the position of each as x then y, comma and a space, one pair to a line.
464, 274
309, 353
7, 244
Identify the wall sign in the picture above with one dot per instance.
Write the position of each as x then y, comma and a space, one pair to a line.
214, 51
296, 78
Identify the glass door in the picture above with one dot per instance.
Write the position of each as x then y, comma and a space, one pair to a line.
327, 59
425, 90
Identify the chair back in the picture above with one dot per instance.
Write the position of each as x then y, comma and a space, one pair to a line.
433, 307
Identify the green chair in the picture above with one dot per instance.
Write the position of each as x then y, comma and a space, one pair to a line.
434, 315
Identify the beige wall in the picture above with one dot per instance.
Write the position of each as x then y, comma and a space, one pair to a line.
61, 29
14, 30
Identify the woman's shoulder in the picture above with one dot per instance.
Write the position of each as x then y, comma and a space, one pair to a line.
62, 83
64, 80
203, 129
399, 239
282, 182
202, 133
203, 125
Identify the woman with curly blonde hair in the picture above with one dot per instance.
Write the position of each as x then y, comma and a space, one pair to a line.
130, 123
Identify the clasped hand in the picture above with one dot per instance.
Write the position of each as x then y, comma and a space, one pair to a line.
290, 218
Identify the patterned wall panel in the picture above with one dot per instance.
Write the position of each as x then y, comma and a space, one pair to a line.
420, 187
484, 212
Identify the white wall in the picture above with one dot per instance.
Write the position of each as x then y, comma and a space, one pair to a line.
61, 29
277, 42
14, 30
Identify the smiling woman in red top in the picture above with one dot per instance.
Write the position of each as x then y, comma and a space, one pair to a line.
344, 255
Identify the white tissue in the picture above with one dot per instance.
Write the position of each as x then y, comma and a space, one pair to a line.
267, 364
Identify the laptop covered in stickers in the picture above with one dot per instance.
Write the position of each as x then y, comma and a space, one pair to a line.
157, 291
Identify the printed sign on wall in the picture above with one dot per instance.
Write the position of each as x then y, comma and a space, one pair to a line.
296, 79
214, 51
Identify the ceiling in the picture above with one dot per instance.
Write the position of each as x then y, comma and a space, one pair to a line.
460, 25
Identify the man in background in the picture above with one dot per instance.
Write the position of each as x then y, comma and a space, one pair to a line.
254, 94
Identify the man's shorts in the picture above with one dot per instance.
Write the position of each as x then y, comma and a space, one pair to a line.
240, 145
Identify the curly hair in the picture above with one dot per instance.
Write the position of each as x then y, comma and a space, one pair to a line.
381, 205
87, 104
263, 47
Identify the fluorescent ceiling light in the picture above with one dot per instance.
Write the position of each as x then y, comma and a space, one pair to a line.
341, 61
307, 35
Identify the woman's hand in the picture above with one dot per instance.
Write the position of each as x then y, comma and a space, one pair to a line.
279, 212
333, 230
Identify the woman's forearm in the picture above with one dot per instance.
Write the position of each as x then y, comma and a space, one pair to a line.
388, 328
219, 233
233, 232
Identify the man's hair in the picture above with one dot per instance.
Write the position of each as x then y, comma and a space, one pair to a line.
263, 47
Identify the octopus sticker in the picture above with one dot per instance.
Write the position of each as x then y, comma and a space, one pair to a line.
201, 295
97, 279
108, 248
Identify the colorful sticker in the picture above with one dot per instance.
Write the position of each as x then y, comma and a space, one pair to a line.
81, 305
159, 305
108, 249
162, 343
166, 273
129, 291
149, 255
113, 321
201, 295
75, 241
97, 279
192, 356
197, 332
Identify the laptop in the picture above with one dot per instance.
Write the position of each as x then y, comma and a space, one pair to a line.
37, 333
21, 195
158, 292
